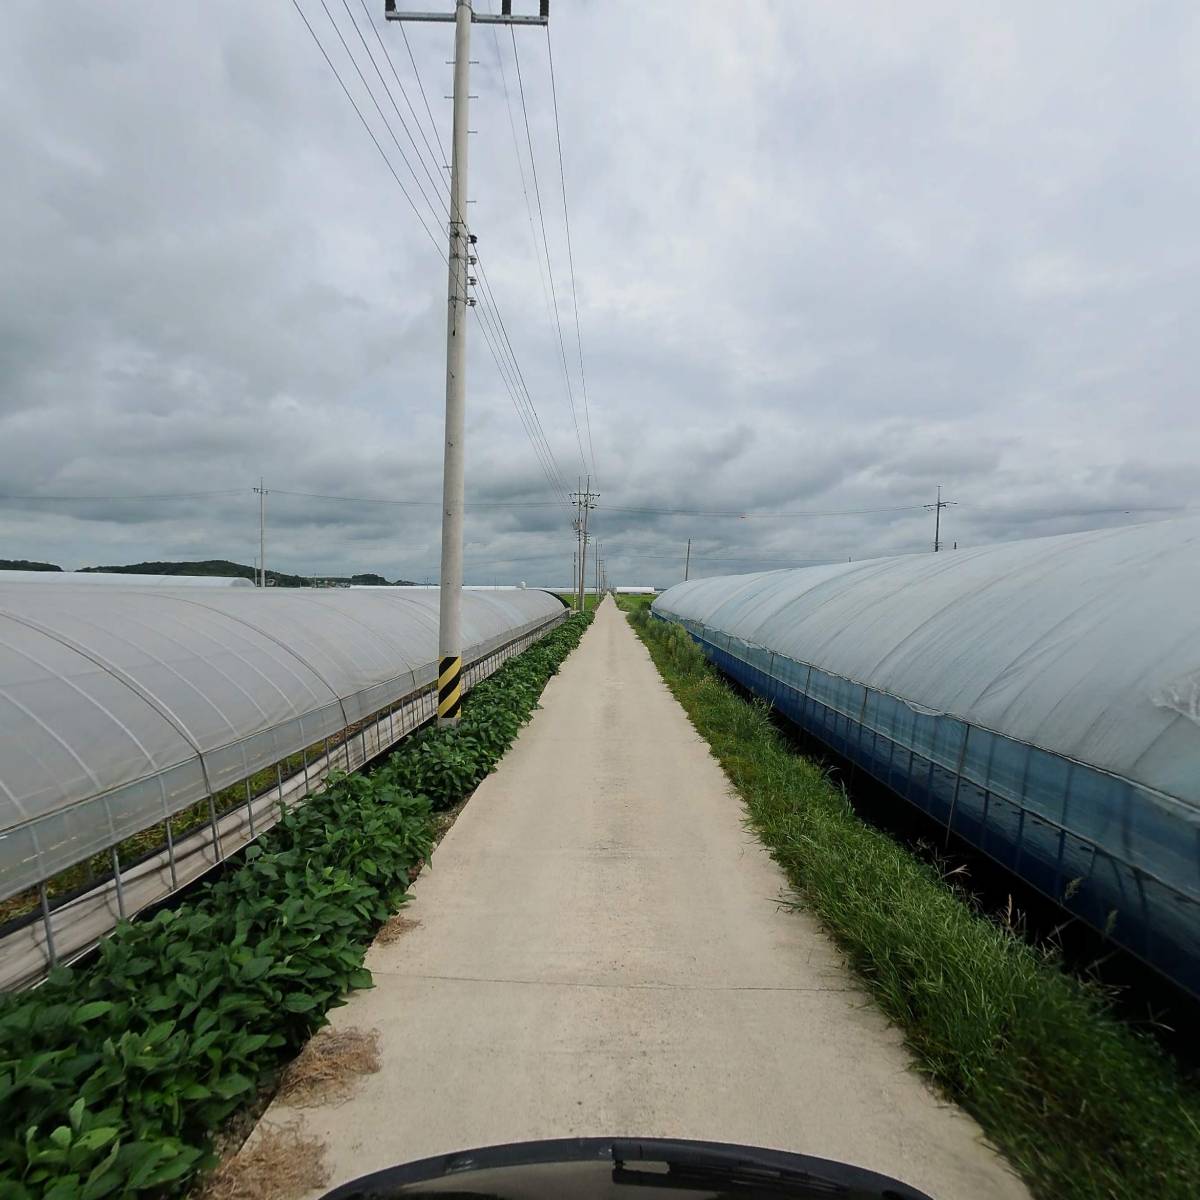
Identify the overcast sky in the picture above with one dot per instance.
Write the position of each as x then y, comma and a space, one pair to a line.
827, 256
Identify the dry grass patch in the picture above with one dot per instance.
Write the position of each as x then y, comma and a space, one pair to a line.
280, 1163
395, 928
326, 1068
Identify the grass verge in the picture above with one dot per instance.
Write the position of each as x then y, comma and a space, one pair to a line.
590, 601
1083, 1106
115, 1076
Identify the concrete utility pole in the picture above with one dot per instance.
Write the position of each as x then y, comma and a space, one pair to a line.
585, 502
599, 547
262, 533
937, 518
687, 562
461, 240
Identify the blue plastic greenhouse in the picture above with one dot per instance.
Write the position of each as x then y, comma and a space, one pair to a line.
1039, 698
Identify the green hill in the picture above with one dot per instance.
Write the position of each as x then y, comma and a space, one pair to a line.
23, 564
223, 568
209, 567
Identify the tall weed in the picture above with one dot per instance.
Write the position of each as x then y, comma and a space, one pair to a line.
1082, 1105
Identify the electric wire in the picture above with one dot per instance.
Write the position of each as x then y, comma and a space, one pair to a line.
437, 141
122, 499
499, 343
562, 174
546, 243
489, 296
370, 92
438, 183
755, 516
491, 338
370, 131
534, 425
412, 503
488, 310
512, 125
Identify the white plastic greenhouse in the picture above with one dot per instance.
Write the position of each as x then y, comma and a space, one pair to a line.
119, 579
120, 707
1042, 698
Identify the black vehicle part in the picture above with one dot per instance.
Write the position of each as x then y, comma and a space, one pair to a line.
615, 1167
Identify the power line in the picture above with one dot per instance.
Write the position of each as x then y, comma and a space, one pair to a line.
413, 503
489, 296
511, 375
512, 384
553, 468
432, 123
370, 131
437, 187
494, 562
115, 499
549, 467
512, 125
370, 92
562, 349
570, 254
754, 516
436, 183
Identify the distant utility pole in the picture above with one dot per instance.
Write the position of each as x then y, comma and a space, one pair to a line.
599, 547
687, 562
461, 241
585, 501
262, 533
937, 517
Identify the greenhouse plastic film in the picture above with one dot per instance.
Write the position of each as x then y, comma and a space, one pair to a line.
121, 706
1033, 696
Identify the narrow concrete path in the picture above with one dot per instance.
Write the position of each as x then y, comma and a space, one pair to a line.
600, 950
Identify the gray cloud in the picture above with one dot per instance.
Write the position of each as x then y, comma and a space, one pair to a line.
827, 258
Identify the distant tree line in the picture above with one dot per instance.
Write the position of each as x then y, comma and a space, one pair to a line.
221, 567
23, 564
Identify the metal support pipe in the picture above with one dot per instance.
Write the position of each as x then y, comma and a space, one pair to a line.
47, 925
116, 862
250, 807
171, 854
212, 819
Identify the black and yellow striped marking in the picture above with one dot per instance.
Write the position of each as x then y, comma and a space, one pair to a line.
450, 687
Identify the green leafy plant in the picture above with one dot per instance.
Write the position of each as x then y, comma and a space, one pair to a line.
113, 1077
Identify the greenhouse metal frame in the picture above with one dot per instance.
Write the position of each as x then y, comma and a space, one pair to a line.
121, 708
